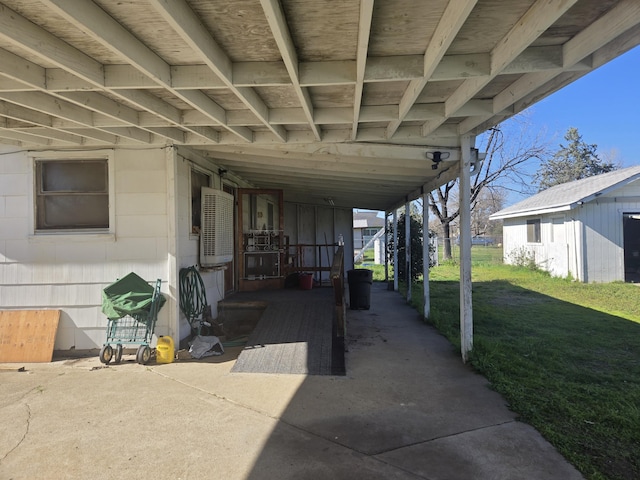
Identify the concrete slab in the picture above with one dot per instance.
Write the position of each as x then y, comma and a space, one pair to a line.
407, 409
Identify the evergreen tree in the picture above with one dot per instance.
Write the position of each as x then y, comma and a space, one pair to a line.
416, 229
573, 161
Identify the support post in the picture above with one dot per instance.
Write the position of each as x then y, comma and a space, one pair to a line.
466, 309
386, 247
425, 256
407, 249
395, 250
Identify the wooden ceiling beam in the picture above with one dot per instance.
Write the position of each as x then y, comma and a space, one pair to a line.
533, 23
345, 152
52, 134
323, 165
102, 27
450, 23
24, 137
364, 31
615, 32
29, 36
280, 31
17, 30
354, 177
186, 23
274, 74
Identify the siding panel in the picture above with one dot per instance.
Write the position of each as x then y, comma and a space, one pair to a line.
69, 271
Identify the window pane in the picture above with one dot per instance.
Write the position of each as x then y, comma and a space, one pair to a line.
533, 231
72, 194
74, 211
77, 176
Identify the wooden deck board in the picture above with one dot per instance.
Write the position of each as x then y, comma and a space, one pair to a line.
294, 335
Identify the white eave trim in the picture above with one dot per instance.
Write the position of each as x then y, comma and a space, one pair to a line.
531, 213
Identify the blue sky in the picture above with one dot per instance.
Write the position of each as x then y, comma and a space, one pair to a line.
604, 106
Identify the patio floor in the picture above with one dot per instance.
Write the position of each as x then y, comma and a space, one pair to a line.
407, 408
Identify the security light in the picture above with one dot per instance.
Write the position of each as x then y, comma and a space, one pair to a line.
436, 157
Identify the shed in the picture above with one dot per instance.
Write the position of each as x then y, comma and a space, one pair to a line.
365, 226
588, 229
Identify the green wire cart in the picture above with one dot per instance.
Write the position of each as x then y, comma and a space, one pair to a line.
131, 306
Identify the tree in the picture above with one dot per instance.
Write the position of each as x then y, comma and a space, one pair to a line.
488, 202
507, 147
573, 161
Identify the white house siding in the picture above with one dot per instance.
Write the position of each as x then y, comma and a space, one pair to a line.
187, 243
604, 254
68, 272
551, 254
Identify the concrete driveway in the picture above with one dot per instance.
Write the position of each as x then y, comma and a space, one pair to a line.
407, 409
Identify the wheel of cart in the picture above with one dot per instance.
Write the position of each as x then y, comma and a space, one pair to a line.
131, 306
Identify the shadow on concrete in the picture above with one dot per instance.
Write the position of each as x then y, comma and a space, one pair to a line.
407, 408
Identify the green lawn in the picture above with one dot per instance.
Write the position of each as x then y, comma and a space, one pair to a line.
565, 355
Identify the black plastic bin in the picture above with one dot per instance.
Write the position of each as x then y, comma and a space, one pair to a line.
360, 281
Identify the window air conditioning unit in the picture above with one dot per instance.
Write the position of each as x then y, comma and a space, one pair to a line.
216, 232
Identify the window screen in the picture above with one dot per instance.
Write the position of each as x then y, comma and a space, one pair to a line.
72, 194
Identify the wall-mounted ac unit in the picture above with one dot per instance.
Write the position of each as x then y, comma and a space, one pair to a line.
216, 231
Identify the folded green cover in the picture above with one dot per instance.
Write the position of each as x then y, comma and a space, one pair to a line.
130, 295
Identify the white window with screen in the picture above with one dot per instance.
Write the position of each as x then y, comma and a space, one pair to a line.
73, 194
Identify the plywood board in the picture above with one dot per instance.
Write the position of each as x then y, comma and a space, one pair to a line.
28, 335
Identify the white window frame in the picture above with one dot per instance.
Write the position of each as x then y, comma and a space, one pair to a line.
80, 233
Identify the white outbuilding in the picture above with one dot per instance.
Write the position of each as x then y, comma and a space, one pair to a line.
588, 229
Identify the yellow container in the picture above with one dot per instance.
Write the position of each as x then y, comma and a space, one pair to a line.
165, 351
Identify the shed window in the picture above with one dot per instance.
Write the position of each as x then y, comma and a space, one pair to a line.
533, 231
72, 194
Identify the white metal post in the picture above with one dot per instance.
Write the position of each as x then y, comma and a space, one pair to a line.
407, 248
425, 255
395, 250
466, 310
386, 247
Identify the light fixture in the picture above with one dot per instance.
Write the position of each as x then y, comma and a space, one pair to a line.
329, 200
436, 157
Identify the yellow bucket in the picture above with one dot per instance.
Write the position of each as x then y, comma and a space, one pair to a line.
165, 351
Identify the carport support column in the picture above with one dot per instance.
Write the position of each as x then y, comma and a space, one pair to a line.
407, 248
426, 258
466, 310
386, 247
395, 250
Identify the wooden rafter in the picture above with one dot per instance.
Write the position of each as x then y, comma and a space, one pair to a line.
280, 30
535, 21
450, 23
184, 21
364, 30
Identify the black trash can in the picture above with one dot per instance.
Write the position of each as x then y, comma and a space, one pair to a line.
360, 281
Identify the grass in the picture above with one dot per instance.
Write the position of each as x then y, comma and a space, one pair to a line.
565, 355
